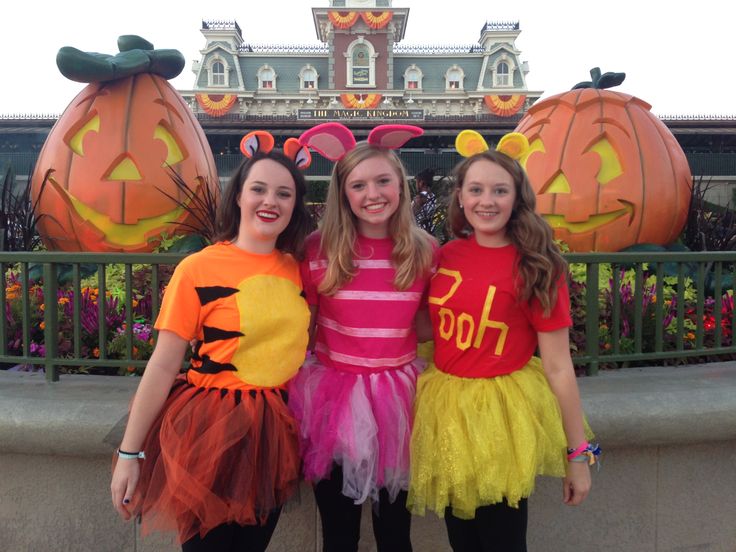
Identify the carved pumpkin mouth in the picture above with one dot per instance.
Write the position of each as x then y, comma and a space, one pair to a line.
116, 233
594, 222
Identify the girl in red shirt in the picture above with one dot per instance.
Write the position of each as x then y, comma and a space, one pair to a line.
489, 415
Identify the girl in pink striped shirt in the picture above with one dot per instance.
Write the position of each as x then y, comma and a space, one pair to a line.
365, 276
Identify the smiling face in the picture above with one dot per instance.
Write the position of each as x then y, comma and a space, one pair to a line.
487, 195
266, 204
109, 187
373, 191
607, 173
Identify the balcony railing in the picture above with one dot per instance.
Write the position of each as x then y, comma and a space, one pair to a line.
87, 311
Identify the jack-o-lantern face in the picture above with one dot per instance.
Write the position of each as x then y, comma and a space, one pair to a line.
110, 188
608, 174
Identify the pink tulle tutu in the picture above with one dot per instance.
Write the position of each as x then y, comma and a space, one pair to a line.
360, 421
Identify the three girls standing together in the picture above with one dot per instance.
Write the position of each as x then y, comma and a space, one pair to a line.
215, 453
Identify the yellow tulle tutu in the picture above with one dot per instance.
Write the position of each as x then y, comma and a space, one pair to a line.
478, 441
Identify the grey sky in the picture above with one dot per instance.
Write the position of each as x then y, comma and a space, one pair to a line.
678, 59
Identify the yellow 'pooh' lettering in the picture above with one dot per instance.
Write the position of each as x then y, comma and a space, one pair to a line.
462, 326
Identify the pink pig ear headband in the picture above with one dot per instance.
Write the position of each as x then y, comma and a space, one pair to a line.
263, 141
334, 140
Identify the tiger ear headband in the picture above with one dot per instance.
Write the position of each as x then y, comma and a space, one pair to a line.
334, 140
263, 141
513, 144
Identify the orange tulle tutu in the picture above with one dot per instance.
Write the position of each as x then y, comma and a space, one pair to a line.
217, 456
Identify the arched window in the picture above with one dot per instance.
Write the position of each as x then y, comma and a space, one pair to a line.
308, 78
266, 78
413, 78
361, 63
218, 73
503, 74
454, 78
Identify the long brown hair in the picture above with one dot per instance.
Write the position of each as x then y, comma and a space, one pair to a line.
412, 252
540, 264
291, 240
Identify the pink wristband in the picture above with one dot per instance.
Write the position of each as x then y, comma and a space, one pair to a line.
574, 453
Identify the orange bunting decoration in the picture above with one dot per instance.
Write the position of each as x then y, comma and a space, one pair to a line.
360, 101
216, 104
505, 105
342, 20
377, 20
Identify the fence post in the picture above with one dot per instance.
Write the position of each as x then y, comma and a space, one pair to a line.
50, 318
591, 320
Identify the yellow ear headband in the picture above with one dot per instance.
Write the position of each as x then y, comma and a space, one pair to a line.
470, 142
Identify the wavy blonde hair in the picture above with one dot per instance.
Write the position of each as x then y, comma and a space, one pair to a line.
540, 264
412, 252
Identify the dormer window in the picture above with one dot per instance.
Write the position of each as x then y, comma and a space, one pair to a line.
413, 78
361, 64
218, 73
308, 78
502, 74
454, 78
266, 78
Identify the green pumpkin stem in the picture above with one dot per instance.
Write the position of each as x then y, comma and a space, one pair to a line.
136, 56
600, 81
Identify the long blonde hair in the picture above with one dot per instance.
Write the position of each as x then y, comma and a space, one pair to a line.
412, 252
540, 264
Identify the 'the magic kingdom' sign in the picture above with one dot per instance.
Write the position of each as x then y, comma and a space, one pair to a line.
343, 114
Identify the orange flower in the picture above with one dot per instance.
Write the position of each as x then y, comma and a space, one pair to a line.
135, 303
63, 300
96, 352
42, 325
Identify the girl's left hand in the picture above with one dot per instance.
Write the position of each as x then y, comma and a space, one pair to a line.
576, 484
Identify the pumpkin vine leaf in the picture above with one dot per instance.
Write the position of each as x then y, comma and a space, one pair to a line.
600, 81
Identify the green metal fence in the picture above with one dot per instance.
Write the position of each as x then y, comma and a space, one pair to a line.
57, 280
627, 307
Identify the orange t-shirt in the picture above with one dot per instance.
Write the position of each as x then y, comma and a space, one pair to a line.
247, 312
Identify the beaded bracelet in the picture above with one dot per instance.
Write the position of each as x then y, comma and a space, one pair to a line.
131, 455
586, 452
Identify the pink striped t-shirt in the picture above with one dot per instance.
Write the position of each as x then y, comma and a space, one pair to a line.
368, 325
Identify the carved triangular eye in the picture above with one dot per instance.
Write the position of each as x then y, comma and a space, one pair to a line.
257, 140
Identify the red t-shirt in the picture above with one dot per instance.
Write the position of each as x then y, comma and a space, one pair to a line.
480, 328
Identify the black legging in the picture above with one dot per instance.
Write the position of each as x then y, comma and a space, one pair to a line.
495, 528
231, 537
341, 518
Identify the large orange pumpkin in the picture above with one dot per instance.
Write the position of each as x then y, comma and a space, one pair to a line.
608, 174
109, 187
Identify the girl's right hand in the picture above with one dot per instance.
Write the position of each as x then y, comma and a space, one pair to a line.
124, 480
